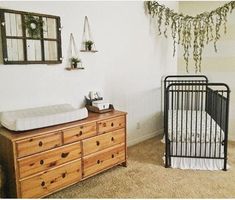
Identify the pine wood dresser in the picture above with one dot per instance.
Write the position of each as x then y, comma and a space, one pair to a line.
42, 161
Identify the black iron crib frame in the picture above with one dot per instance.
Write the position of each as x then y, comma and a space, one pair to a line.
187, 98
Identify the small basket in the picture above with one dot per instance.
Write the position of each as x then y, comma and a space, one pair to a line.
95, 109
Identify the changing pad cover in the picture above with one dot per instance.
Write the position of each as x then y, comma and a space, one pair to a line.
32, 118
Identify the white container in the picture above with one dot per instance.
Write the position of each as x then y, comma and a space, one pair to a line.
102, 105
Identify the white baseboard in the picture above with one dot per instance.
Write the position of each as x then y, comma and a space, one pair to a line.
136, 140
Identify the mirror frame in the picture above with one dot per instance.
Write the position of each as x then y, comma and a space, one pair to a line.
24, 38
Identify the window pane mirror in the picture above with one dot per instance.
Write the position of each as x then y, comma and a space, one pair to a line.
30, 38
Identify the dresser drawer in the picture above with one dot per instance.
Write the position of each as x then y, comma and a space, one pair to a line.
103, 141
79, 132
111, 124
36, 144
104, 159
43, 161
49, 181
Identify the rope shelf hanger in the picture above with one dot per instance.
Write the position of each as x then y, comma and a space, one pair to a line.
191, 32
88, 44
74, 60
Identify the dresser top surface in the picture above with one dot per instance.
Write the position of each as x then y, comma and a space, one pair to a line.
92, 117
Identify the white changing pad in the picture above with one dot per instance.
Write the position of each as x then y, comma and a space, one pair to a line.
32, 118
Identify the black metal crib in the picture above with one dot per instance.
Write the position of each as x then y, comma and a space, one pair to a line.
196, 114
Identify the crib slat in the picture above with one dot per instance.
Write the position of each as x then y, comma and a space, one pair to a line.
182, 118
172, 123
221, 105
202, 93
187, 108
216, 107
196, 110
212, 106
207, 91
191, 122
177, 109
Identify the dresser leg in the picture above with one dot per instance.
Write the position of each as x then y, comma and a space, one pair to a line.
124, 164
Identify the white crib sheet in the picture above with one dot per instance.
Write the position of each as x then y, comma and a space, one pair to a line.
199, 127
32, 118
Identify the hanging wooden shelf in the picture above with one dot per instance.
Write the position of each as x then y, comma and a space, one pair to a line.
88, 44
91, 51
73, 56
70, 68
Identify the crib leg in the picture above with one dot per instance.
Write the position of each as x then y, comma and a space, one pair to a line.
225, 165
167, 162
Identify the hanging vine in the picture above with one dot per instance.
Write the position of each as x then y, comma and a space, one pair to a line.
191, 32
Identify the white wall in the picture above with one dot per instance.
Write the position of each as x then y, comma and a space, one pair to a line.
127, 68
220, 66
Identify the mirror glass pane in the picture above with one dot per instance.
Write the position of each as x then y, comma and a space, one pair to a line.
50, 48
15, 50
34, 51
13, 23
49, 28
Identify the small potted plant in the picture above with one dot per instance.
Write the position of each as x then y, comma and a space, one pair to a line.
74, 62
88, 45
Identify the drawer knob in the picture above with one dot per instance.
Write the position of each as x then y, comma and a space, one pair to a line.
80, 132
98, 161
81, 127
112, 124
41, 162
43, 183
97, 143
112, 139
112, 155
64, 155
63, 175
40, 143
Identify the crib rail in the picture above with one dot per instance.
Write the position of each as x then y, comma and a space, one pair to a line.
195, 119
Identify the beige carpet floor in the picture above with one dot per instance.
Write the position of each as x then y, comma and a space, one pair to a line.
146, 177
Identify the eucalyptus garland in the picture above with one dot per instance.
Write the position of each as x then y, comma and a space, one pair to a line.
192, 32
34, 25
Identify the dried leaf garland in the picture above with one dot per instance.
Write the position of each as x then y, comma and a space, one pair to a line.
191, 32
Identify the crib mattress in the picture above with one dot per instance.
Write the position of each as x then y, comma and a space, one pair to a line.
193, 126
32, 118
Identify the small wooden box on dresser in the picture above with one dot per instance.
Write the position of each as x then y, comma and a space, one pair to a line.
42, 161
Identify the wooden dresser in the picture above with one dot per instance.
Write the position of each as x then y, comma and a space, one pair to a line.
42, 161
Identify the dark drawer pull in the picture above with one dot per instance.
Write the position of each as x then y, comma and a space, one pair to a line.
64, 155
52, 164
112, 139
97, 143
80, 132
81, 127
40, 143
112, 155
43, 183
98, 161
112, 124
63, 175
41, 162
